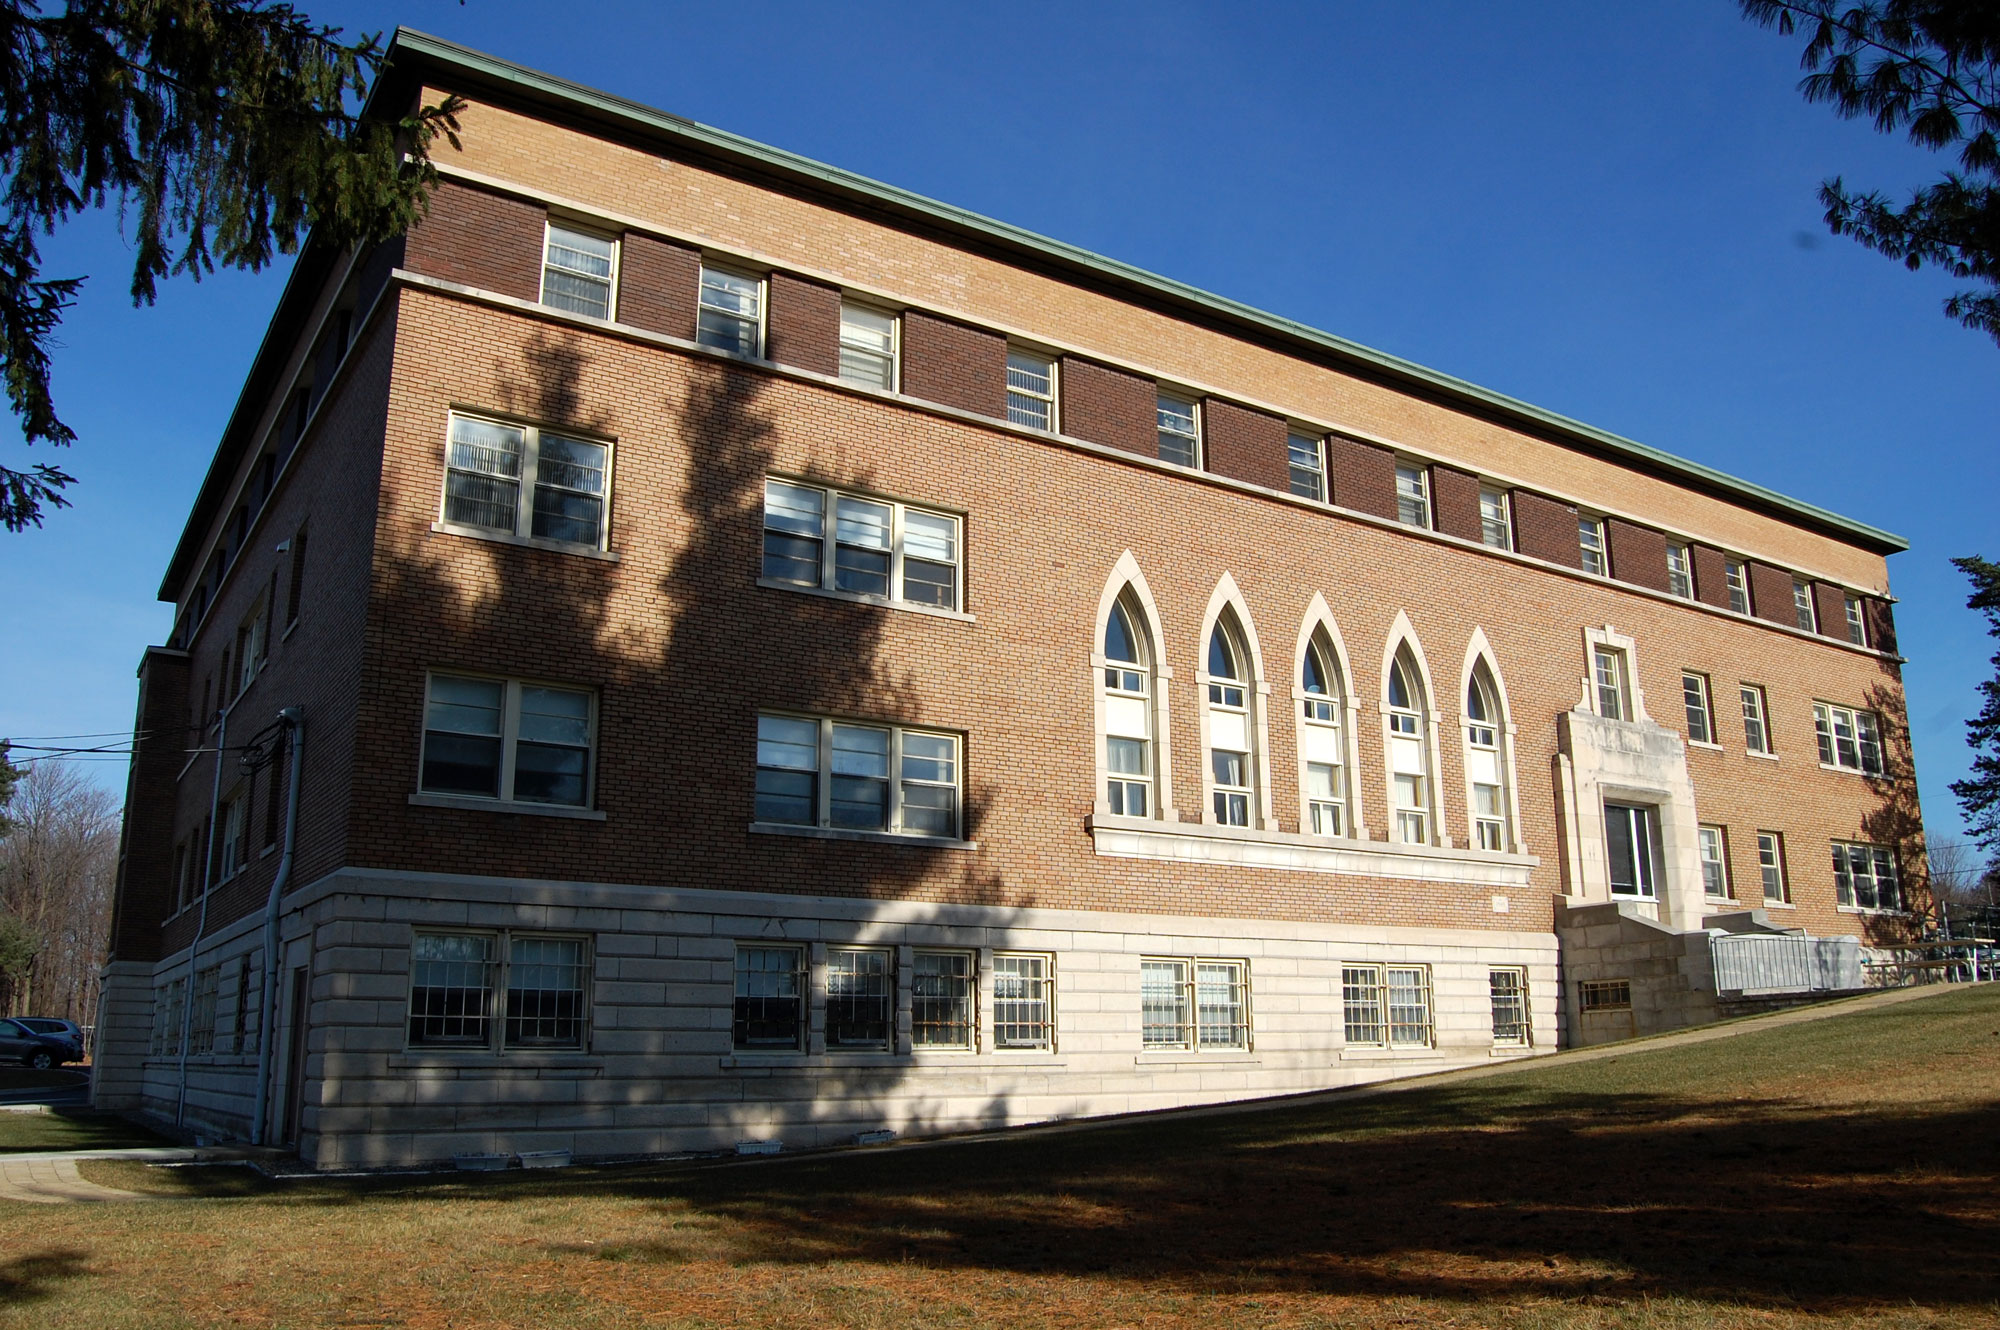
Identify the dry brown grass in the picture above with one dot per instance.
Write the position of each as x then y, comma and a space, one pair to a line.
1842, 1172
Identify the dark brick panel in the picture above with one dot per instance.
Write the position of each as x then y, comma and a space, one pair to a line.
1110, 407
954, 365
1363, 476
658, 284
481, 240
1771, 595
1244, 444
1545, 528
1880, 617
1831, 602
1638, 554
1455, 501
1711, 577
804, 324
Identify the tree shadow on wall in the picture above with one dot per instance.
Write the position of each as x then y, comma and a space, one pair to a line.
1896, 819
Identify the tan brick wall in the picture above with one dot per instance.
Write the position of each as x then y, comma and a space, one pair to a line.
686, 650
738, 214
145, 891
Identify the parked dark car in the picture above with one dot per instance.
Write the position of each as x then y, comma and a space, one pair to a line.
54, 1025
36, 1049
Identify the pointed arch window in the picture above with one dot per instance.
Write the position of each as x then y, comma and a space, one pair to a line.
1409, 759
1128, 717
1229, 746
1485, 764
1323, 750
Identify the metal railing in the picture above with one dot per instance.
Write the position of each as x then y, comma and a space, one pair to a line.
1784, 963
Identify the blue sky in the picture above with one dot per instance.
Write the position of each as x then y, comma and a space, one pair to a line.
1608, 211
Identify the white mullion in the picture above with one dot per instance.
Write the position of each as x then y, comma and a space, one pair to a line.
510, 733
763, 307
895, 819
896, 551
496, 993
830, 538
823, 815
531, 467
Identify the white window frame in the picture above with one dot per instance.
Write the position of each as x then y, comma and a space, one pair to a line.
873, 964
1023, 396
1863, 736
967, 984
510, 738
1712, 848
1168, 422
1368, 1006
1803, 609
1413, 494
1513, 992
1771, 868
232, 848
1756, 720
1416, 823
1017, 975
1126, 588
1493, 735
897, 779
1680, 570
549, 231
755, 323
1736, 577
1881, 870
1593, 556
1189, 1033
529, 480
500, 966
890, 360
1611, 682
253, 644
800, 971
1326, 728
1697, 702
1305, 456
830, 546
1231, 696
1857, 621
1496, 518
201, 1015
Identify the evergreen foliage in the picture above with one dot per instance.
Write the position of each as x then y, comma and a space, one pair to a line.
1930, 68
1979, 793
223, 130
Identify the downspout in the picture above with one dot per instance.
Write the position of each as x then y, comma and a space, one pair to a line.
201, 918
267, 1023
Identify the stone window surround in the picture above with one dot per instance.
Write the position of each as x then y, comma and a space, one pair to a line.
1257, 694
1127, 583
1402, 633
1319, 624
1479, 650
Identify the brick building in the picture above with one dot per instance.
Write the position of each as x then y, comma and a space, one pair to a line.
690, 644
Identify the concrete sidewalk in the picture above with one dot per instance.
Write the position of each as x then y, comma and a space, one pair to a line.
51, 1177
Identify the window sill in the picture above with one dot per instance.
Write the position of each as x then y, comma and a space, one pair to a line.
1872, 910
1853, 771
748, 1060
475, 805
1510, 1051
1181, 1057
871, 837
1770, 904
525, 542
290, 628
1389, 1054
1760, 756
1703, 743
417, 1059
853, 598
1152, 838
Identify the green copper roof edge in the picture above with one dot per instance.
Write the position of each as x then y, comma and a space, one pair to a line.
721, 141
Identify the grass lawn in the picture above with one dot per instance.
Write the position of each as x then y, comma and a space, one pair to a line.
1839, 1172
70, 1129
